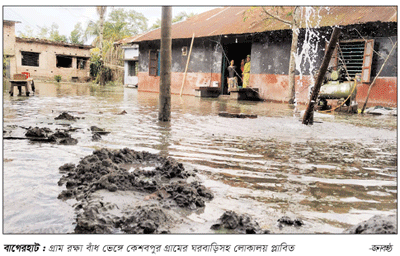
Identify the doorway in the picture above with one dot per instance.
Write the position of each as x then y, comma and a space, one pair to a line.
236, 52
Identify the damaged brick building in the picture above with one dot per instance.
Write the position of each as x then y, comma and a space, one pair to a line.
44, 59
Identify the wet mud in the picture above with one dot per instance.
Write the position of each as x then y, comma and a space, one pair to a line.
376, 225
234, 175
231, 222
162, 180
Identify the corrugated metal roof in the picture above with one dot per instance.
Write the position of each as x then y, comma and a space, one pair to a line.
245, 19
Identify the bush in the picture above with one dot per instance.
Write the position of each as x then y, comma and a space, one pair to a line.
57, 78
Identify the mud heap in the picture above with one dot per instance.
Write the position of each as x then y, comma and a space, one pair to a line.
66, 116
379, 224
159, 178
231, 222
47, 135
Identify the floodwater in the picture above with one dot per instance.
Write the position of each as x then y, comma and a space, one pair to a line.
334, 174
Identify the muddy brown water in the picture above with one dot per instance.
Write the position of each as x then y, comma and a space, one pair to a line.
334, 174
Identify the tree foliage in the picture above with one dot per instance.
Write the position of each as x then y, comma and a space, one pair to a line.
182, 16
179, 17
76, 36
51, 33
28, 32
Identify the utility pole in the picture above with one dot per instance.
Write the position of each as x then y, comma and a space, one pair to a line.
308, 117
164, 113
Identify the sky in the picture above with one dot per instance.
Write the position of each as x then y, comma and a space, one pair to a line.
67, 16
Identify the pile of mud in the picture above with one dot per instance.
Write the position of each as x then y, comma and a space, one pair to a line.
157, 178
376, 225
47, 135
66, 116
231, 222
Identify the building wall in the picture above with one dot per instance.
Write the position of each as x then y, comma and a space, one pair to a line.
9, 46
270, 64
270, 54
203, 69
130, 53
48, 63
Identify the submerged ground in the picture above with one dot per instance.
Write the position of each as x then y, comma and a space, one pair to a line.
334, 174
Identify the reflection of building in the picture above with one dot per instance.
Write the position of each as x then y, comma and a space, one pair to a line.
44, 59
232, 33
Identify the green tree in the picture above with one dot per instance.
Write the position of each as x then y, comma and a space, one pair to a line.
182, 16
76, 36
54, 34
124, 23
43, 32
156, 24
51, 33
28, 32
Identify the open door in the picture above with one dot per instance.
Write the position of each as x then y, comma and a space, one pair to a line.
236, 52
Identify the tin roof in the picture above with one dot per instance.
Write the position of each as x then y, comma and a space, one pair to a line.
246, 19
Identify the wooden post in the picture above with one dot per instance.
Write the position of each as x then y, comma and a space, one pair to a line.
308, 117
165, 65
373, 82
187, 65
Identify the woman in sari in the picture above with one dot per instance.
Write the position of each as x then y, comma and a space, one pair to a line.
246, 72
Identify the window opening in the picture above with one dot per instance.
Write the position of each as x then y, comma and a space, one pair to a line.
81, 63
356, 56
64, 61
30, 59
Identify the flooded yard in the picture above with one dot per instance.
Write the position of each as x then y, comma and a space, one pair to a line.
334, 174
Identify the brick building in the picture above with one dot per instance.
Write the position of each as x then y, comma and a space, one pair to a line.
43, 59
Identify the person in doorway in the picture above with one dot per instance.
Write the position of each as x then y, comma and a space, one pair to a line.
232, 79
246, 72
241, 73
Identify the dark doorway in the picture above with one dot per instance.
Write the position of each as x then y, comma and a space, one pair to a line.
236, 52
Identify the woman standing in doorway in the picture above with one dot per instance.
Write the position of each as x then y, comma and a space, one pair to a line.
246, 72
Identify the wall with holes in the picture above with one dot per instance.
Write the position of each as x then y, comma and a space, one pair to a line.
48, 66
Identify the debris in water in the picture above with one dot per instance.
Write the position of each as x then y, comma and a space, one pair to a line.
66, 116
96, 136
163, 179
240, 115
123, 113
379, 224
285, 220
37, 132
98, 130
241, 224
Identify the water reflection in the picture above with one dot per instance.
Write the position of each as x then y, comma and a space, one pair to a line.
164, 138
329, 174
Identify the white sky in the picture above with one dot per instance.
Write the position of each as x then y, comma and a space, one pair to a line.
67, 16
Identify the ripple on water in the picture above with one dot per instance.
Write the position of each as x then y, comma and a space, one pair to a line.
268, 167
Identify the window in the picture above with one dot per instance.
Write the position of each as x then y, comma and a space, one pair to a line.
64, 61
154, 63
30, 59
132, 68
356, 55
81, 62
